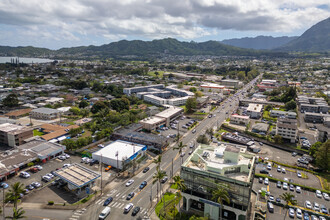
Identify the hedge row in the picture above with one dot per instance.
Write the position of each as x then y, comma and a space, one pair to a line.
295, 184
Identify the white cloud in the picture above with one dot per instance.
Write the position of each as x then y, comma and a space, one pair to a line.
83, 20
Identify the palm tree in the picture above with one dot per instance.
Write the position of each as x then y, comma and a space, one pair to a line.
221, 194
289, 200
14, 192
180, 148
157, 161
181, 187
17, 214
157, 177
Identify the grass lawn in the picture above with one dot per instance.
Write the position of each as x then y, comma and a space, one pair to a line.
69, 122
87, 133
174, 186
160, 74
37, 133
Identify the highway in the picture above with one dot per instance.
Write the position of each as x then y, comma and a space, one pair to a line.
119, 191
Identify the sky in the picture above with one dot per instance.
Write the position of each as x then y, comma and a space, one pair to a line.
67, 23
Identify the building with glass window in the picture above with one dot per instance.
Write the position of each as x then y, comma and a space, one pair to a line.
208, 167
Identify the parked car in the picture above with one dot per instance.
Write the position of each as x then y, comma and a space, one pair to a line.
283, 170
61, 157
306, 216
38, 167
135, 210
46, 178
279, 169
29, 187
299, 174
107, 201
266, 181
298, 189
324, 209
24, 174
291, 212
318, 194
67, 156
129, 182
33, 170
271, 198
50, 175
101, 145
264, 171
299, 213
261, 180
291, 187
308, 204
66, 165
326, 196
36, 184
279, 184
4, 185
285, 186
107, 168
146, 169
316, 207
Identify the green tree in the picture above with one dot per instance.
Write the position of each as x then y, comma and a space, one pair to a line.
198, 94
120, 104
220, 195
14, 192
158, 161
323, 156
17, 214
193, 89
191, 104
289, 200
314, 148
241, 75
181, 187
268, 107
203, 139
98, 106
180, 148
290, 105
157, 177
75, 110
83, 104
10, 101
278, 139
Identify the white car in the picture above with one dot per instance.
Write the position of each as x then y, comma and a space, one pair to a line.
66, 165
285, 186
308, 204
298, 189
269, 167
286, 179
299, 174
46, 178
318, 194
67, 156
50, 175
61, 157
38, 167
326, 196
299, 213
316, 206
291, 212
130, 182
24, 174
266, 181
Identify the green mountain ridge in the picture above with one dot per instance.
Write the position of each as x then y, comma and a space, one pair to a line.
140, 48
315, 39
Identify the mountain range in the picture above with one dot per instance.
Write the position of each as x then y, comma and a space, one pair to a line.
315, 39
259, 42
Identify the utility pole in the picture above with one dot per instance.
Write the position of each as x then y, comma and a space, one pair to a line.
178, 131
117, 162
101, 175
172, 169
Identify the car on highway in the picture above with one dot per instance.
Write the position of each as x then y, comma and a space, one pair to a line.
135, 210
143, 184
164, 179
146, 169
128, 207
107, 201
129, 182
130, 195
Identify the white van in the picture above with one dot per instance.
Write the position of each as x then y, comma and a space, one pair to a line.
104, 213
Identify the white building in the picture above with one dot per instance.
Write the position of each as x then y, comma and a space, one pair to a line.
118, 153
287, 129
170, 114
278, 113
152, 123
254, 110
45, 113
212, 86
239, 119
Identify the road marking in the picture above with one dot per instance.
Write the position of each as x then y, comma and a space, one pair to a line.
77, 213
75, 216
98, 201
113, 204
117, 194
121, 205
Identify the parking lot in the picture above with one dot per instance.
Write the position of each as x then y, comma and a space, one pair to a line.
48, 193
301, 197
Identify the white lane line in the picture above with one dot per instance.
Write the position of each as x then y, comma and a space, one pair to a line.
77, 213
75, 216
72, 218
117, 194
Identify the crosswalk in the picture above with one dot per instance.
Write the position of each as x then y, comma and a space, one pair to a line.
119, 201
76, 215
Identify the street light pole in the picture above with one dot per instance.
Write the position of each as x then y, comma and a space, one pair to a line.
101, 175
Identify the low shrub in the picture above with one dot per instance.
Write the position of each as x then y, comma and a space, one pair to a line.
50, 202
30, 164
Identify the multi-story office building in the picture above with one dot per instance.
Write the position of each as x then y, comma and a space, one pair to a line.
232, 83
14, 135
315, 117
278, 113
287, 129
254, 110
206, 169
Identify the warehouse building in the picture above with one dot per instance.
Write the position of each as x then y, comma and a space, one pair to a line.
119, 153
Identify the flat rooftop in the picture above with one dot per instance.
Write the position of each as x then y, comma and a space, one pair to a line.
152, 120
229, 160
77, 175
13, 128
124, 148
167, 113
254, 107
